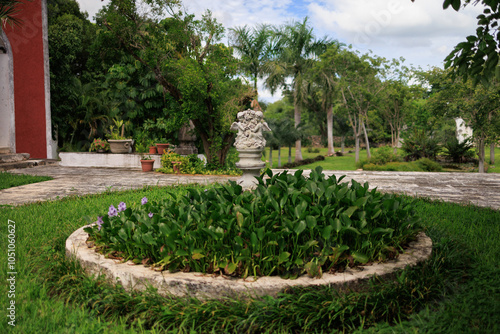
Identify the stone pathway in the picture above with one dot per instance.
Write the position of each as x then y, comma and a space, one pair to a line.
478, 189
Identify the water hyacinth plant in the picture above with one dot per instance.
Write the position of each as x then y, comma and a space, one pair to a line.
289, 225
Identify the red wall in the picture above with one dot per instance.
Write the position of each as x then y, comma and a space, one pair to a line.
29, 90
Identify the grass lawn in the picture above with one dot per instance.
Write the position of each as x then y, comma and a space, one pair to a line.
8, 180
347, 162
456, 291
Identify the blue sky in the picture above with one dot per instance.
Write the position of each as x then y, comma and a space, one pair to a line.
421, 31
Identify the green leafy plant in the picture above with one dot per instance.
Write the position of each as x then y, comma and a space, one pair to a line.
421, 165
99, 144
459, 152
288, 226
382, 156
117, 130
191, 164
420, 144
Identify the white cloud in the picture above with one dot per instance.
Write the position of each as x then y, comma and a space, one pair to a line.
420, 31
394, 22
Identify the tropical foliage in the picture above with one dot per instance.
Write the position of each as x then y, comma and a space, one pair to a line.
288, 226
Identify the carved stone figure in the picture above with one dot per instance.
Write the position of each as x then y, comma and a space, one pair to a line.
250, 127
250, 143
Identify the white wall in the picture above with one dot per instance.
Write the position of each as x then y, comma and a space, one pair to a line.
7, 116
463, 131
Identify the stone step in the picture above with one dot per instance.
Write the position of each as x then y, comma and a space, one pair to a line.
5, 150
14, 157
21, 164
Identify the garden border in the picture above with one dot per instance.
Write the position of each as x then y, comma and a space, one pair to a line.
203, 286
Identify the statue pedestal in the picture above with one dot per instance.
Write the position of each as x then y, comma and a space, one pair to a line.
187, 139
251, 164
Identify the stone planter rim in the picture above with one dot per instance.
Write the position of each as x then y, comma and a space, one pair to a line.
207, 287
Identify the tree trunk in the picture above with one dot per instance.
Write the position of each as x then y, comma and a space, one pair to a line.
298, 144
480, 154
279, 156
492, 153
367, 141
342, 144
356, 141
270, 157
329, 125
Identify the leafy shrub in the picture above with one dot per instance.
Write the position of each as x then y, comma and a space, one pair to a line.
420, 144
99, 144
191, 164
382, 156
304, 162
421, 165
313, 150
429, 165
289, 225
458, 152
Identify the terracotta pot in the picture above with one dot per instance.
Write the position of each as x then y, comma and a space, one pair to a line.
162, 147
175, 165
147, 165
152, 149
121, 145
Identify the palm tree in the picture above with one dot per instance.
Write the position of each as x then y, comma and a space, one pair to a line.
8, 12
253, 45
296, 49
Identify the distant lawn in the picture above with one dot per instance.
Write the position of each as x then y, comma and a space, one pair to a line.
347, 162
9, 180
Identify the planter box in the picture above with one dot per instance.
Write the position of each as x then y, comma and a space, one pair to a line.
121, 145
113, 160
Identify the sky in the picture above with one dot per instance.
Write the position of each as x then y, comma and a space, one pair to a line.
421, 32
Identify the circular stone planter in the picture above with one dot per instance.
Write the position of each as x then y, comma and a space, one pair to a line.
209, 287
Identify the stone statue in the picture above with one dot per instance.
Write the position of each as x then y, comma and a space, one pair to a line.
250, 143
250, 127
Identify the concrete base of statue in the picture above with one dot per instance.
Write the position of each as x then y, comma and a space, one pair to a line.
251, 164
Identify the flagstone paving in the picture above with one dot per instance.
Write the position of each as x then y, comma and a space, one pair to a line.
466, 188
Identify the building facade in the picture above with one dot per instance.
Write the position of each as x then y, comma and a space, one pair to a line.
25, 120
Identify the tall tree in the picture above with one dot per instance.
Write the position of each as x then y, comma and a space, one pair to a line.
196, 71
395, 98
296, 51
477, 105
254, 45
358, 84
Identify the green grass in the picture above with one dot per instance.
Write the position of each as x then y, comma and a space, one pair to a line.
347, 162
456, 291
9, 180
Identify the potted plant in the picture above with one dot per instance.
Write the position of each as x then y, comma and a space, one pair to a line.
147, 163
158, 128
161, 147
99, 145
150, 144
116, 138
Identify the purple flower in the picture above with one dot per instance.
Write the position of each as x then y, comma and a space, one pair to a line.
122, 206
112, 211
150, 215
144, 200
99, 222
